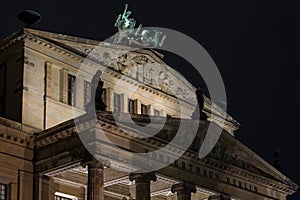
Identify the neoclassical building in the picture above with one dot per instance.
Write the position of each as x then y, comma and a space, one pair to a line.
43, 158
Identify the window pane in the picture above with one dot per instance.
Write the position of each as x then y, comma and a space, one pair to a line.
71, 90
156, 112
87, 93
144, 110
3, 192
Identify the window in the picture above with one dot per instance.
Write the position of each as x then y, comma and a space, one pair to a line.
117, 102
87, 93
130, 106
156, 112
104, 96
62, 196
2, 88
71, 90
3, 192
144, 110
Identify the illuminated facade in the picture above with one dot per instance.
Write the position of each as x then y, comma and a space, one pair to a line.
42, 156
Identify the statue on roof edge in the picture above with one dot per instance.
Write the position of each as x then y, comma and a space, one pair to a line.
140, 37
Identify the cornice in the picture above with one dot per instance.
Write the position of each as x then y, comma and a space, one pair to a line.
105, 121
12, 132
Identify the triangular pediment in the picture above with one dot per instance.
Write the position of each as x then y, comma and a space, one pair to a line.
233, 153
143, 65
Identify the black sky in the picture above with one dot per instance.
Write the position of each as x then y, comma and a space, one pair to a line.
255, 44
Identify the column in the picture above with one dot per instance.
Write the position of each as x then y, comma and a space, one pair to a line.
220, 197
124, 103
150, 109
183, 190
142, 184
137, 106
163, 113
109, 99
95, 186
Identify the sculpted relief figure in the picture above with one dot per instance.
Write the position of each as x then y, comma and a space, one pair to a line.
143, 69
106, 58
148, 73
163, 78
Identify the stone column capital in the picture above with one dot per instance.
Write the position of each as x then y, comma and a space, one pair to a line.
183, 187
142, 184
220, 197
93, 163
142, 177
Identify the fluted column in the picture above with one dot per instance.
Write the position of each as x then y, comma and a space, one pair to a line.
183, 190
95, 186
220, 197
142, 184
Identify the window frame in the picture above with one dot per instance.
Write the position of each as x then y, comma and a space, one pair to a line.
131, 106
144, 108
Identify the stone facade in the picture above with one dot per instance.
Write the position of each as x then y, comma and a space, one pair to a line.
42, 156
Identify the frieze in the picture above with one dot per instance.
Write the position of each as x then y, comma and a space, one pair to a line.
204, 171
157, 75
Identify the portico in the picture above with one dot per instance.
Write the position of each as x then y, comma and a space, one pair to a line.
223, 174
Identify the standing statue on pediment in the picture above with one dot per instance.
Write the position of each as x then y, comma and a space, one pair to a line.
97, 93
200, 107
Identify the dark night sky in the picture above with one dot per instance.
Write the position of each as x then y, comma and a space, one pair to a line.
255, 44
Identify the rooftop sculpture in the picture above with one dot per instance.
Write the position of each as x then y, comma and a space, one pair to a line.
129, 35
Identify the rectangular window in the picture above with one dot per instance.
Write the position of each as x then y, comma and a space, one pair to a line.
156, 112
130, 106
71, 90
144, 110
117, 102
87, 93
2, 88
3, 192
62, 198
